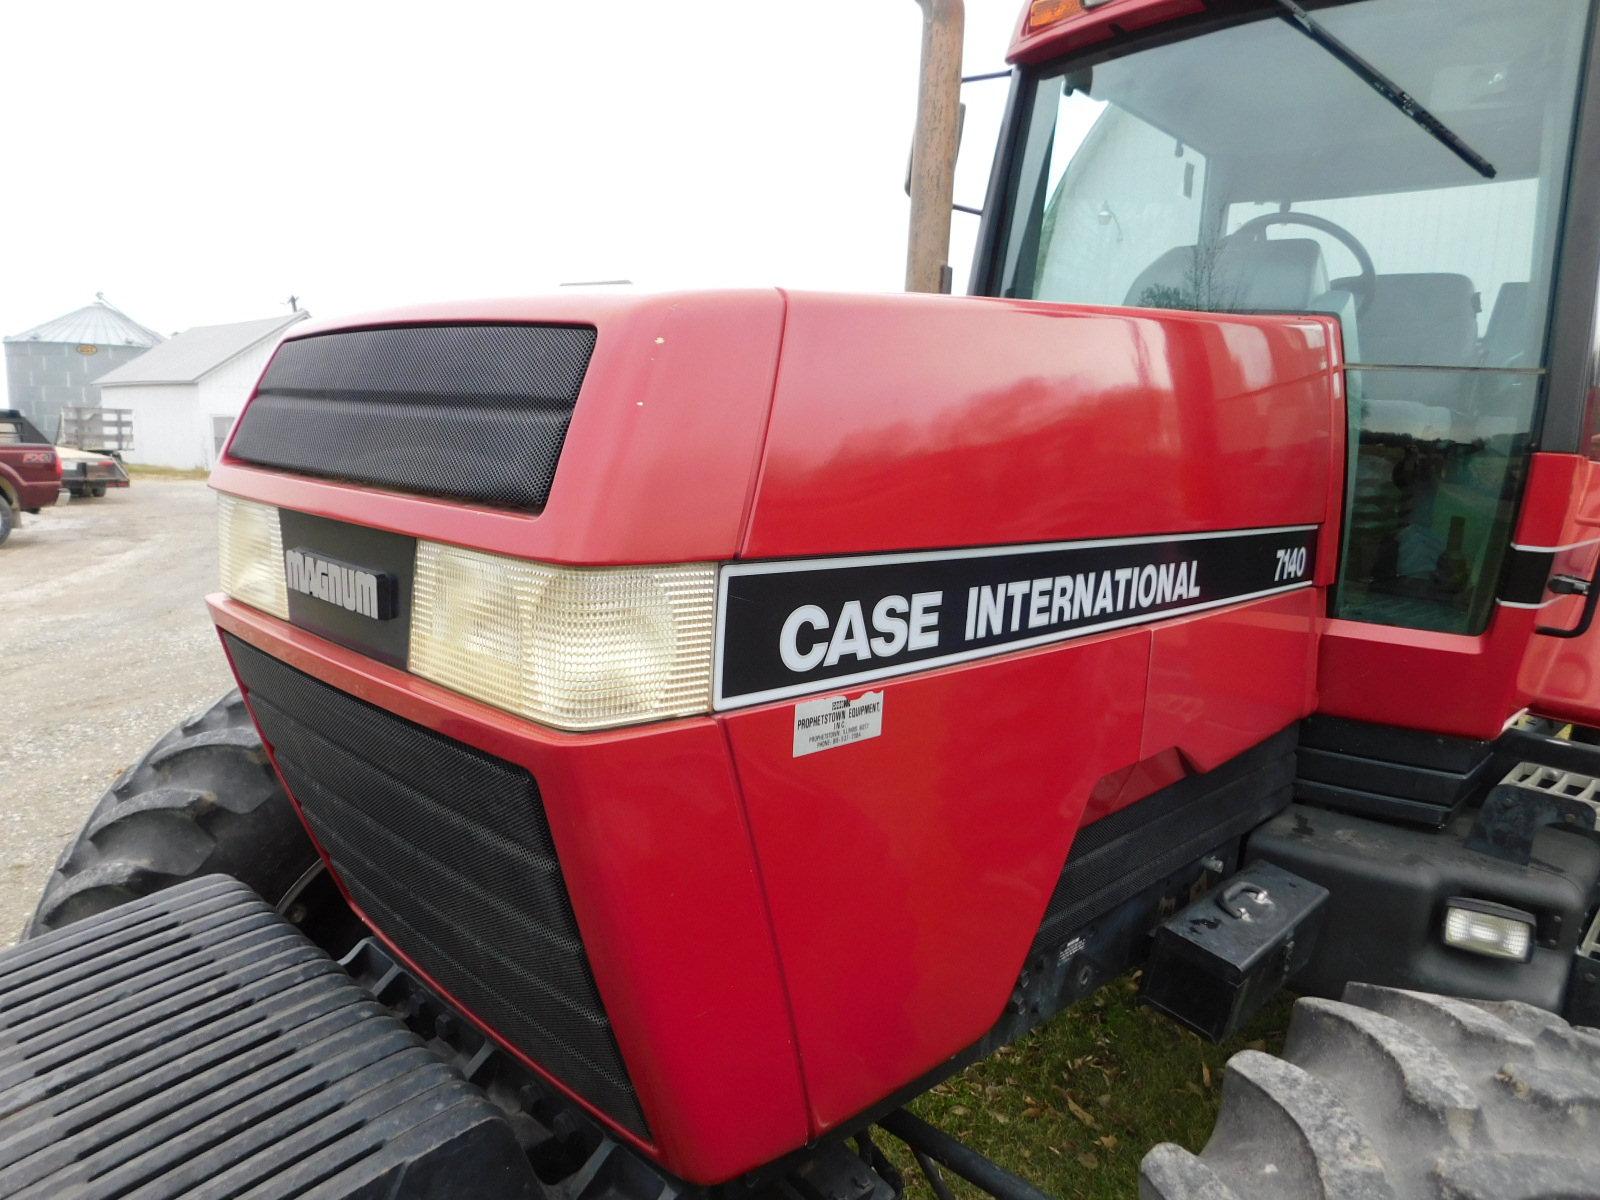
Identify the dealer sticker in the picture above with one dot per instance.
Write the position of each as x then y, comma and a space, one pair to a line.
836, 721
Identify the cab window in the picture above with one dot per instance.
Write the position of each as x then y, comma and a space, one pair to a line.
1169, 177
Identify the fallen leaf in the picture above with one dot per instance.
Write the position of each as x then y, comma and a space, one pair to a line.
1081, 1113
1089, 1160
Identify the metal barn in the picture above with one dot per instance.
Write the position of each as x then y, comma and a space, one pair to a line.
184, 395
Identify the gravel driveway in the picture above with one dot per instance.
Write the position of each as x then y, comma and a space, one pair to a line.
104, 646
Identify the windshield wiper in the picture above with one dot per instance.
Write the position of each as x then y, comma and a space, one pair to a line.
1386, 87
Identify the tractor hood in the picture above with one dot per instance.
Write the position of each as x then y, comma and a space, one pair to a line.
712, 426
1071, 482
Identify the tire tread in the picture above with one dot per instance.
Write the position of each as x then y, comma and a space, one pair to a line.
203, 800
1397, 1095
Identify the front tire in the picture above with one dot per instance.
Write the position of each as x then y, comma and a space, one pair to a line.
1395, 1095
8, 520
203, 800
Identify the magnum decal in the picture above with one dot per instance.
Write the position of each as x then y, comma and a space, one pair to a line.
355, 589
792, 627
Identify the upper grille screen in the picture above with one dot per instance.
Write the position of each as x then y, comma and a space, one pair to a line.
472, 412
447, 850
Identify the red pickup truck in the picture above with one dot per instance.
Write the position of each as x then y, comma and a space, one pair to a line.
30, 470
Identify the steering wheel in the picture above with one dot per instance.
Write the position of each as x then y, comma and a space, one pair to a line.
1364, 284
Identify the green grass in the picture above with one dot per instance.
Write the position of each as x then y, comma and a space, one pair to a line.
1074, 1106
140, 471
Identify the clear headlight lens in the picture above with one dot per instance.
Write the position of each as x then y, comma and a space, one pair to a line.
573, 647
250, 549
1489, 929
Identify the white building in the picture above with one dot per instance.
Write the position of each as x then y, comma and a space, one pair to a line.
185, 393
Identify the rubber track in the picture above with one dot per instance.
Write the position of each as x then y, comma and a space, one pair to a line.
195, 1044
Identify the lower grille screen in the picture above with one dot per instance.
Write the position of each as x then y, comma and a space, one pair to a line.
447, 850
472, 412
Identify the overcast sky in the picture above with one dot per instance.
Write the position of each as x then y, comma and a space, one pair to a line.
200, 162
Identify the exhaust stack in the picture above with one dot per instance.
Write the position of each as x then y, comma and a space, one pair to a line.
933, 152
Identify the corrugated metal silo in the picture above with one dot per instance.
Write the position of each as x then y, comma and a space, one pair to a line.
53, 365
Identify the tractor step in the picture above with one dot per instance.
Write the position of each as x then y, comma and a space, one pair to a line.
194, 1043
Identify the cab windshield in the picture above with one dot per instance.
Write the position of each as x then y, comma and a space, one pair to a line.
1242, 167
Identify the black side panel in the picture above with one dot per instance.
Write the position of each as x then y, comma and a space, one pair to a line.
1122, 854
1388, 887
446, 850
471, 412
194, 1043
1381, 771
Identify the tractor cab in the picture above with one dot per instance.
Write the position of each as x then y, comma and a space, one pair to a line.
1402, 164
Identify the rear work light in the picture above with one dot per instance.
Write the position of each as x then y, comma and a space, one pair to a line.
250, 552
1493, 930
574, 647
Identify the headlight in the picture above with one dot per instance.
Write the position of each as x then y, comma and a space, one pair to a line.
1489, 929
573, 647
250, 548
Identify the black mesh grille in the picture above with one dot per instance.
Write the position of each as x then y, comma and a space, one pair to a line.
472, 412
446, 849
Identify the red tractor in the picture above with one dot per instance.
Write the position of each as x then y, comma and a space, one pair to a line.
674, 731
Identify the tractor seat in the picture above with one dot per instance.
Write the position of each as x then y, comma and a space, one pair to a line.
1273, 275
1421, 320
1505, 341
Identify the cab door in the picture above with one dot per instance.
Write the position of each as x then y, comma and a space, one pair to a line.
1561, 673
